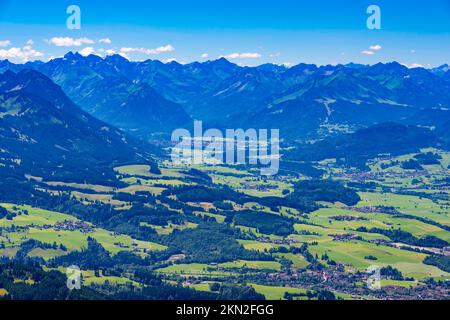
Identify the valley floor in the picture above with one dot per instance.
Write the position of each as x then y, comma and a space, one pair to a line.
328, 250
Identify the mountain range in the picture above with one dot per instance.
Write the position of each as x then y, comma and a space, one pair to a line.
44, 134
151, 97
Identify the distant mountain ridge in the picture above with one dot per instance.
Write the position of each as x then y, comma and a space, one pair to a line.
42, 129
100, 89
151, 96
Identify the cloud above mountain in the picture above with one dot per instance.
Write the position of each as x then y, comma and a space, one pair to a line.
105, 41
372, 50
5, 43
25, 54
87, 51
69, 41
248, 55
162, 49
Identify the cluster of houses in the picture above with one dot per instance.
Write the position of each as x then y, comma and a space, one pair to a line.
348, 218
345, 237
378, 209
176, 257
71, 225
259, 187
286, 241
379, 242
365, 176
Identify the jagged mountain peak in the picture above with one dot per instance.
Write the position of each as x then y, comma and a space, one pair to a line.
116, 58
73, 56
221, 91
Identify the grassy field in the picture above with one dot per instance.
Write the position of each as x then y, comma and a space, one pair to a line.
152, 182
353, 254
139, 178
94, 187
256, 245
204, 286
276, 293
46, 254
193, 269
216, 169
412, 205
89, 277
170, 228
136, 188
319, 231
271, 265
135, 170
90, 198
252, 186
298, 261
3, 292
395, 283
37, 217
108, 279
144, 171
323, 217
219, 218
39, 226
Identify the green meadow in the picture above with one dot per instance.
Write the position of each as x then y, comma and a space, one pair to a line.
39, 224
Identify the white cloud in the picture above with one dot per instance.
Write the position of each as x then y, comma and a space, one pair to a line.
415, 65
163, 49
205, 56
19, 53
105, 40
167, 48
250, 55
169, 60
87, 51
376, 47
372, 50
124, 55
5, 43
128, 49
99, 52
28, 45
69, 42
247, 55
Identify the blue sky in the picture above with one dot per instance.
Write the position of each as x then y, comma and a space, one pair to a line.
246, 32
